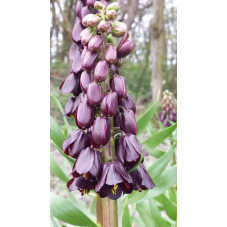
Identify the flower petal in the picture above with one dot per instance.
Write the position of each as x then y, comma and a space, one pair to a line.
120, 149
96, 169
120, 168
113, 176
106, 191
147, 181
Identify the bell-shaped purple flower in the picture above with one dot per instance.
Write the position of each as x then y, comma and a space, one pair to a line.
166, 123
76, 64
116, 119
74, 49
118, 29
88, 162
85, 79
77, 29
119, 63
129, 149
85, 115
103, 26
69, 106
90, 3
125, 49
124, 38
86, 35
163, 116
115, 69
94, 94
109, 104
89, 60
128, 122
128, 103
101, 71
77, 102
172, 117
141, 179
79, 6
84, 11
111, 54
111, 14
93, 21
101, 131
113, 181
118, 84
76, 142
95, 43
174, 112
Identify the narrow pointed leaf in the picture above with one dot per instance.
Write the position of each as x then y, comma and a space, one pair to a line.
54, 222
171, 210
156, 153
93, 207
139, 222
173, 195
126, 220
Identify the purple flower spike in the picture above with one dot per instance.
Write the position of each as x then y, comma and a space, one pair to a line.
95, 43
116, 119
69, 106
113, 181
125, 49
85, 79
84, 11
70, 84
118, 84
79, 6
129, 149
74, 49
109, 104
90, 3
128, 122
103, 26
85, 115
86, 36
166, 123
115, 69
89, 60
172, 118
88, 162
94, 94
76, 142
111, 54
101, 71
174, 112
101, 131
77, 29
128, 103
79, 99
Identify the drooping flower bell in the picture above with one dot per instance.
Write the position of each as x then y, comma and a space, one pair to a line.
128, 148
74, 49
90, 3
85, 79
88, 59
125, 49
128, 103
113, 68
109, 104
95, 43
79, 6
116, 119
128, 122
94, 94
118, 84
84, 11
77, 29
114, 181
101, 71
69, 106
111, 54
86, 35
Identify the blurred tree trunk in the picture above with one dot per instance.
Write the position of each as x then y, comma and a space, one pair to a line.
158, 47
173, 83
131, 11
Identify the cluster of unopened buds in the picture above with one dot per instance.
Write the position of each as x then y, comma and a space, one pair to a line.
169, 113
102, 109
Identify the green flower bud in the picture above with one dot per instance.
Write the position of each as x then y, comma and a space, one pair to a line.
114, 5
99, 5
110, 39
118, 29
111, 15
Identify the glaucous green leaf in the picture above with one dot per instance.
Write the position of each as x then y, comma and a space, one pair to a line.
56, 170
93, 207
64, 210
54, 222
156, 153
139, 222
173, 195
146, 117
126, 220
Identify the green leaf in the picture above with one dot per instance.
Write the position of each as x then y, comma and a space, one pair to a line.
54, 222
65, 211
171, 210
56, 170
156, 153
126, 220
158, 137
139, 222
146, 117
93, 207
138, 163
159, 166
173, 195
155, 214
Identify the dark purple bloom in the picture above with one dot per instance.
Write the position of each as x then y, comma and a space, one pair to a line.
141, 179
115, 69
163, 116
118, 29
109, 104
128, 103
89, 60
79, 6
76, 64
74, 49
85, 115
77, 102
166, 123
76, 142
88, 162
128, 122
113, 181
95, 43
69, 106
90, 3
85, 79
116, 119
172, 118
125, 49
84, 52
124, 38
119, 63
129, 149
84, 11
101, 71
94, 94
77, 29
86, 35
174, 112
111, 54
103, 26
111, 14
93, 21
101, 131
118, 84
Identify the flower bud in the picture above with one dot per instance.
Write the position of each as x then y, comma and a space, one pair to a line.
109, 104
103, 26
172, 118
118, 84
85, 11
79, 99
86, 35
85, 115
90, 3
116, 70
95, 43
111, 15
101, 131
85, 19
104, 3
84, 52
118, 29
68, 107
89, 60
94, 94
76, 64
125, 49
128, 122
74, 49
174, 112
111, 40
119, 63
166, 123
77, 29
114, 5
111, 54
116, 119
124, 38
128, 103
79, 6
85, 79
101, 71
93, 21
99, 5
